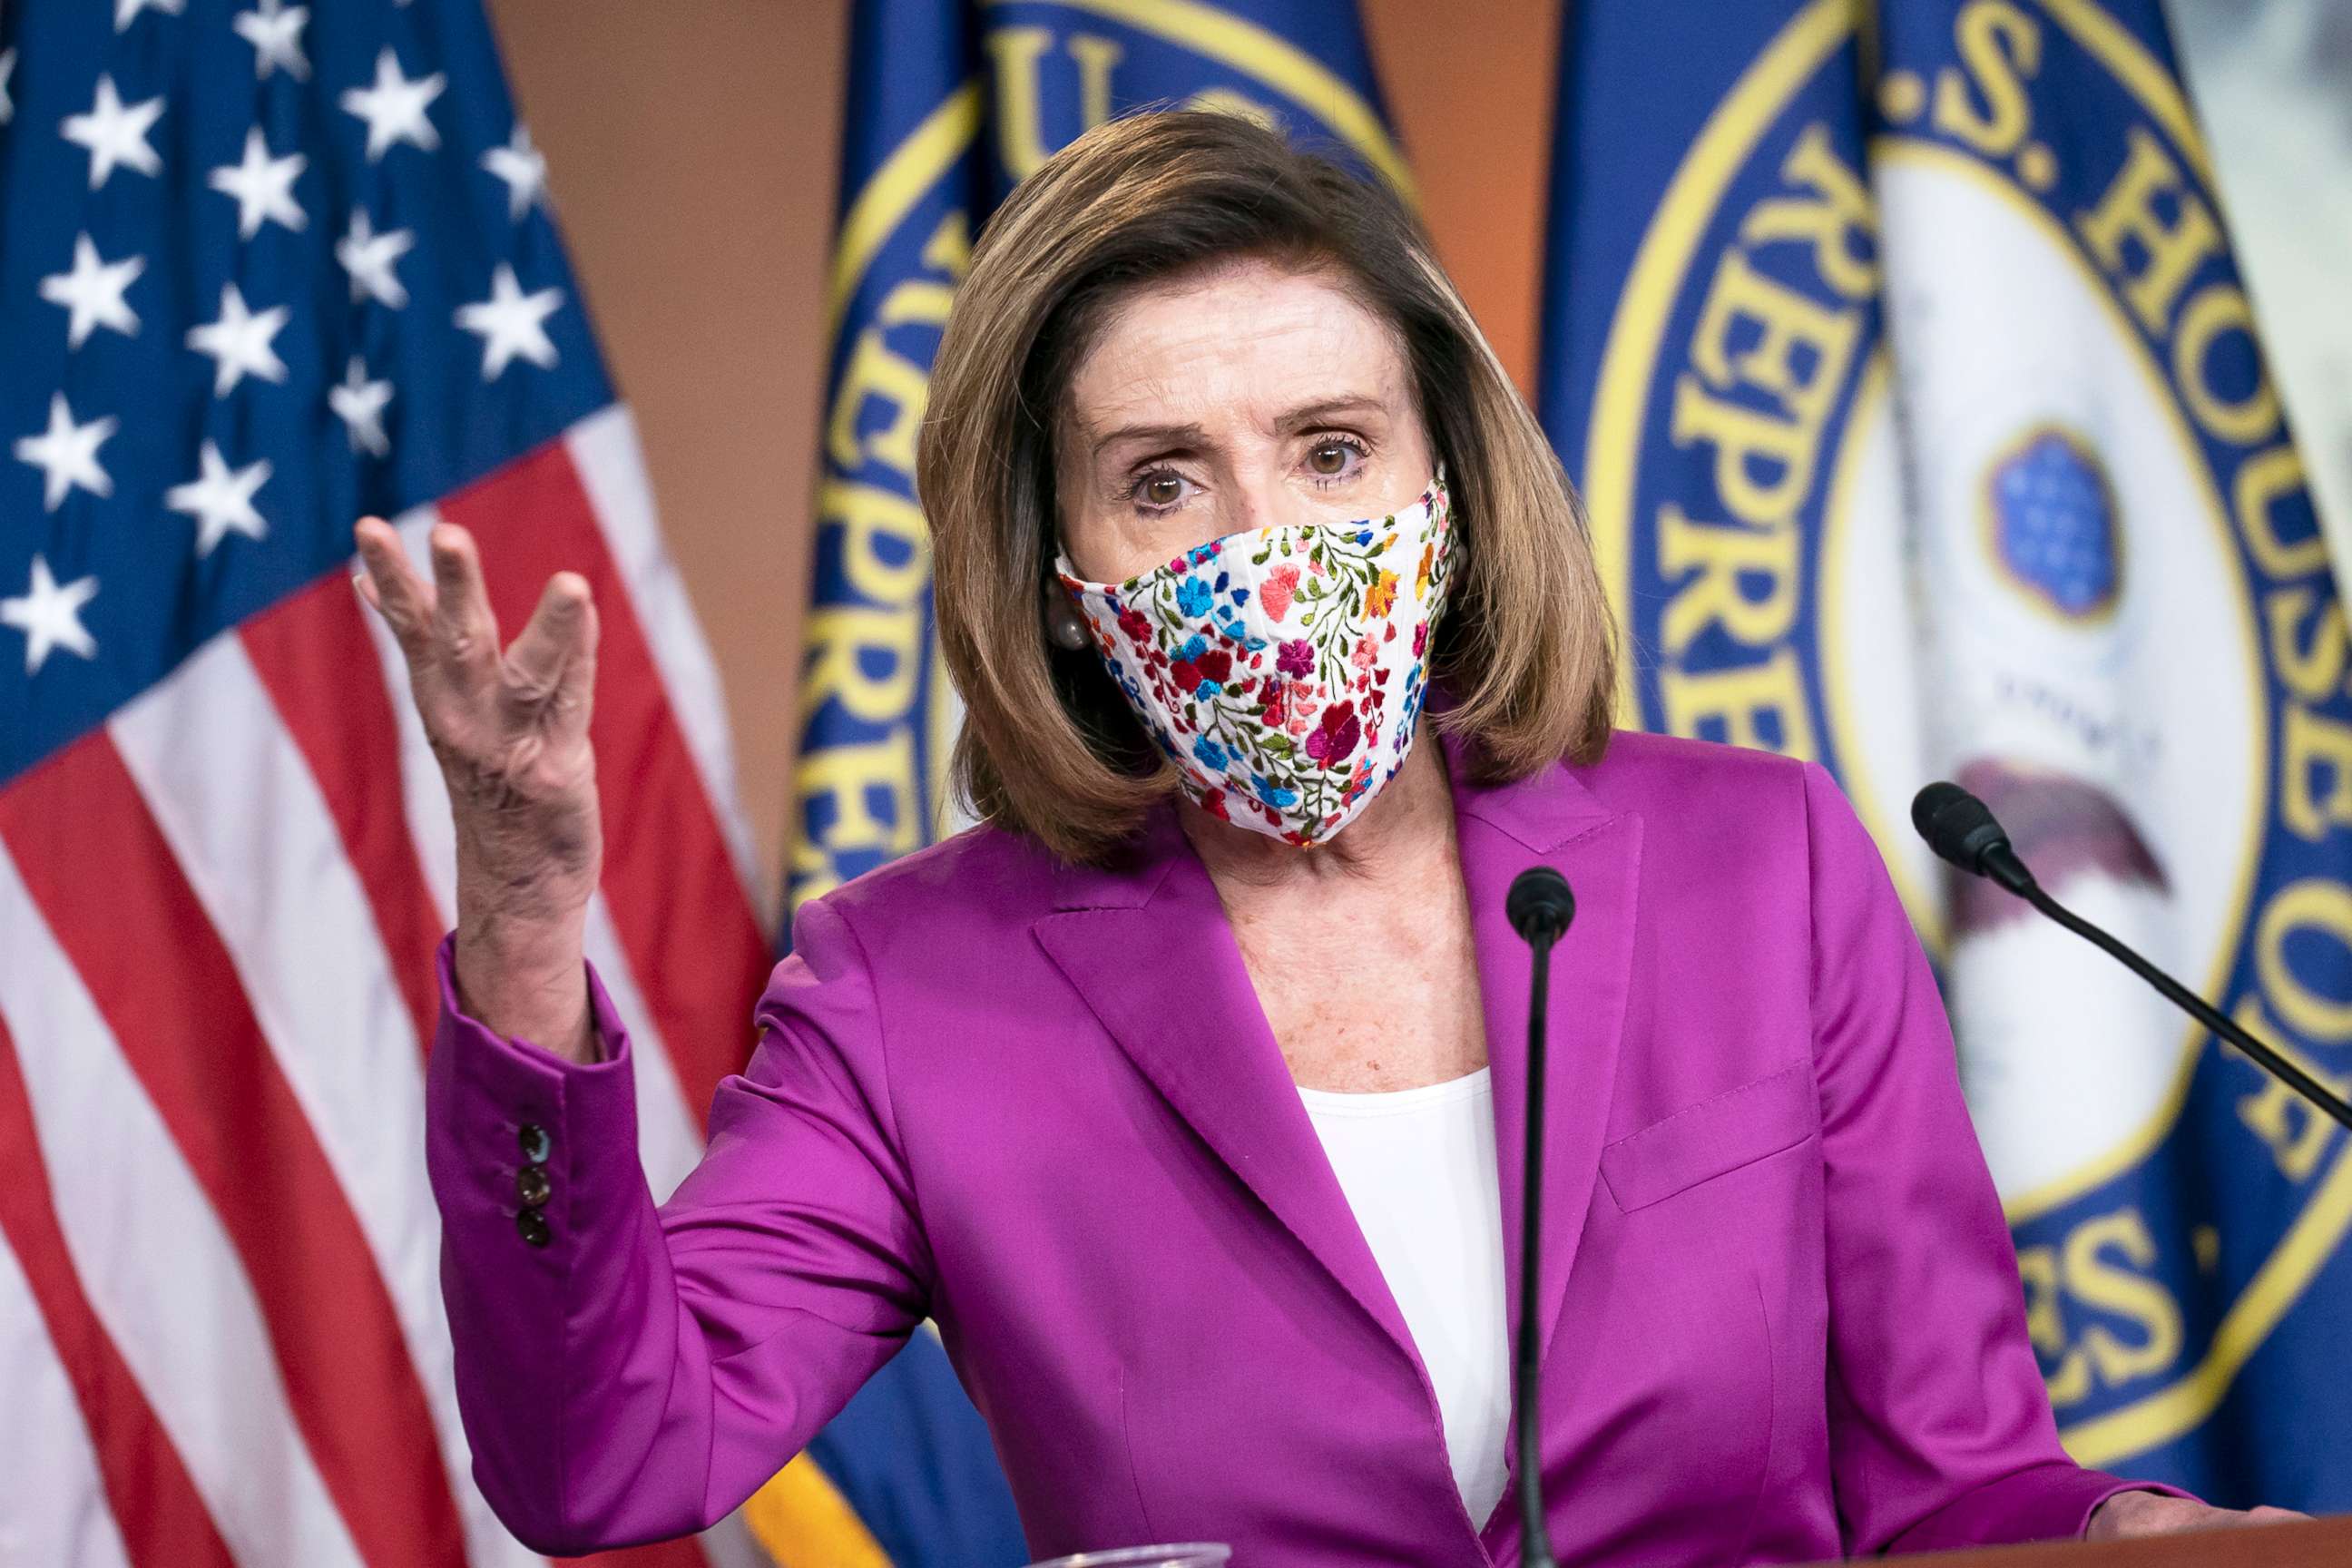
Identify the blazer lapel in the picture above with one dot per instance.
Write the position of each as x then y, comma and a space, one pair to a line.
1206, 1047
1549, 819
1148, 945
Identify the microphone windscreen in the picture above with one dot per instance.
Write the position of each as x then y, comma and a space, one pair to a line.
1539, 903
1955, 825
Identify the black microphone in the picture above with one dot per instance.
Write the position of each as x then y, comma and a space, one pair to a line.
1540, 907
1962, 829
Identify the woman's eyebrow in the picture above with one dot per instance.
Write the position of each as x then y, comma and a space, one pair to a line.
1324, 410
1158, 435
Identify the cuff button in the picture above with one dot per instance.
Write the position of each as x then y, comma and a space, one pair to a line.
531, 1186
535, 1142
532, 1226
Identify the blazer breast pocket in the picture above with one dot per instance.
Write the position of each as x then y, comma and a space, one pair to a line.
1712, 1138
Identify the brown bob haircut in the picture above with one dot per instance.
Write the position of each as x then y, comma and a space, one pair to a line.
1525, 649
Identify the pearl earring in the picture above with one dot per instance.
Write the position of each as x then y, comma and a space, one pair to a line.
1067, 628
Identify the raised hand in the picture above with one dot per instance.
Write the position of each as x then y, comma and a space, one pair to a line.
510, 731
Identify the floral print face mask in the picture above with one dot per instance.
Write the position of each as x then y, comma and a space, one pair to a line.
1282, 669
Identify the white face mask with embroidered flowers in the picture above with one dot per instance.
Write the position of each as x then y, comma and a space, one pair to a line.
1282, 669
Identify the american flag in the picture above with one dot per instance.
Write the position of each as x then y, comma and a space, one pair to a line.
264, 268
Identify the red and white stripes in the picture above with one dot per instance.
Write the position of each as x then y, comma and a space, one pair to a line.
221, 1336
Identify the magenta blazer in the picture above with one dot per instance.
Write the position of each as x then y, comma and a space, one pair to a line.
1781, 1316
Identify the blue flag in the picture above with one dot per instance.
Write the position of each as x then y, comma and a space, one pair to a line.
1900, 355
950, 103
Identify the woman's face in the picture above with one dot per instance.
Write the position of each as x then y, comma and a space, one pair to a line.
1249, 397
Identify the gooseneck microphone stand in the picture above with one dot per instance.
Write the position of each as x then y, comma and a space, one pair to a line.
1962, 829
1540, 907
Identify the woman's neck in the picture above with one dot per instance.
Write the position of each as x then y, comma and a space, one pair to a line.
1393, 841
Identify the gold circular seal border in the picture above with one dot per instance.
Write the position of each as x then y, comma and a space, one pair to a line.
1612, 456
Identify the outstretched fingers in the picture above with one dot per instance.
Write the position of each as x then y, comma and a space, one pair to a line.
392, 585
465, 630
550, 667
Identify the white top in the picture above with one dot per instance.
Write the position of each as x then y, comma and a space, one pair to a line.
1418, 1167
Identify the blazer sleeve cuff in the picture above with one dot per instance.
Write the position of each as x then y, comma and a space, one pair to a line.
505, 1103
612, 1034
2047, 1503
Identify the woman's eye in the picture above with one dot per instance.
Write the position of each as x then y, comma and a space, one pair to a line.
1332, 459
1161, 489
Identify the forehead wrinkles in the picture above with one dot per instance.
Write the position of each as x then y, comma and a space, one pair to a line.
1213, 355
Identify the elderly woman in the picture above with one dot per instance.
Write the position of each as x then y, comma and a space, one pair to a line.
1186, 1092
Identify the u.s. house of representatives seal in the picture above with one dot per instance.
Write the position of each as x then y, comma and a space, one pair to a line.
1932, 439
